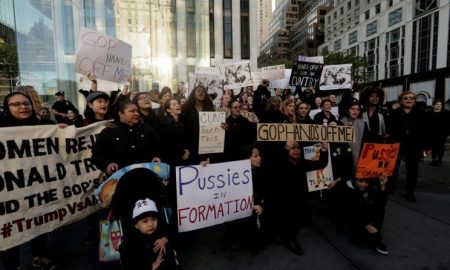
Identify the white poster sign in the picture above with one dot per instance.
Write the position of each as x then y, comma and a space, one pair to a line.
107, 57
284, 83
213, 194
311, 59
236, 75
336, 77
318, 179
47, 179
210, 81
273, 72
211, 135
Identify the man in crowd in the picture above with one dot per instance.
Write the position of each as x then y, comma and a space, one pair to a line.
61, 106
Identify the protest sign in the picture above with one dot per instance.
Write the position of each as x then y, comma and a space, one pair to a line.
211, 134
251, 116
47, 179
107, 57
336, 77
257, 79
318, 179
284, 83
311, 59
213, 194
304, 133
377, 159
305, 74
210, 81
273, 72
236, 75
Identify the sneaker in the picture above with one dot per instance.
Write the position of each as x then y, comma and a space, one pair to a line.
42, 263
381, 248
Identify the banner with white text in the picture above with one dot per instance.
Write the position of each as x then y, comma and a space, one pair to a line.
213, 194
47, 179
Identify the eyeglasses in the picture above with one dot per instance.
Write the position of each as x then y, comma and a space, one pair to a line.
236, 107
408, 97
19, 104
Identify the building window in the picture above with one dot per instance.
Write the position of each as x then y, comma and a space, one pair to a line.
356, 2
424, 40
367, 14
395, 43
371, 28
424, 6
390, 3
377, 9
352, 37
245, 29
227, 30
337, 45
191, 42
89, 13
349, 5
69, 40
395, 17
212, 44
371, 54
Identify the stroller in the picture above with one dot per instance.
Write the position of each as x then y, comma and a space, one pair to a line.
138, 184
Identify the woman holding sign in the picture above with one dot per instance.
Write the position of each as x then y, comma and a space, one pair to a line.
290, 193
19, 111
198, 101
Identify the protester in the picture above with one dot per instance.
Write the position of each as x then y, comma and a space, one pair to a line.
36, 100
353, 118
44, 115
409, 128
73, 118
289, 196
288, 108
98, 103
260, 97
372, 97
144, 104
325, 117
198, 101
165, 95
438, 120
364, 210
303, 110
19, 111
61, 106
134, 142
180, 91
239, 134
154, 92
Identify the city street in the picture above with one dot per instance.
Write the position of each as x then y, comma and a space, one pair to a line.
416, 234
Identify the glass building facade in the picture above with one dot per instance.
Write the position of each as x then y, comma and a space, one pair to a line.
169, 38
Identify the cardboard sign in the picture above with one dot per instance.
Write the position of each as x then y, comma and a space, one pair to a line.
251, 116
377, 159
213, 194
211, 135
236, 75
305, 74
318, 179
273, 72
336, 77
304, 133
47, 179
107, 57
311, 59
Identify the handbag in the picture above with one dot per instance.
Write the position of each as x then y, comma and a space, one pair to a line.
110, 239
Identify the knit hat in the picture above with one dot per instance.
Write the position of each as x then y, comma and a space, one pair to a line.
144, 208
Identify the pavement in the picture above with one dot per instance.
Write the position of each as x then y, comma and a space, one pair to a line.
416, 234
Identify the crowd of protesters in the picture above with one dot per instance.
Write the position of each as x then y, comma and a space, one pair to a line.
139, 133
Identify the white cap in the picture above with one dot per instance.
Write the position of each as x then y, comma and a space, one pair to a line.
144, 207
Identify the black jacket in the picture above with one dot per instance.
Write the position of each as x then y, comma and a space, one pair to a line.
125, 145
238, 138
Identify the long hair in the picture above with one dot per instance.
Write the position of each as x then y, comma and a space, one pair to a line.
207, 102
31, 93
